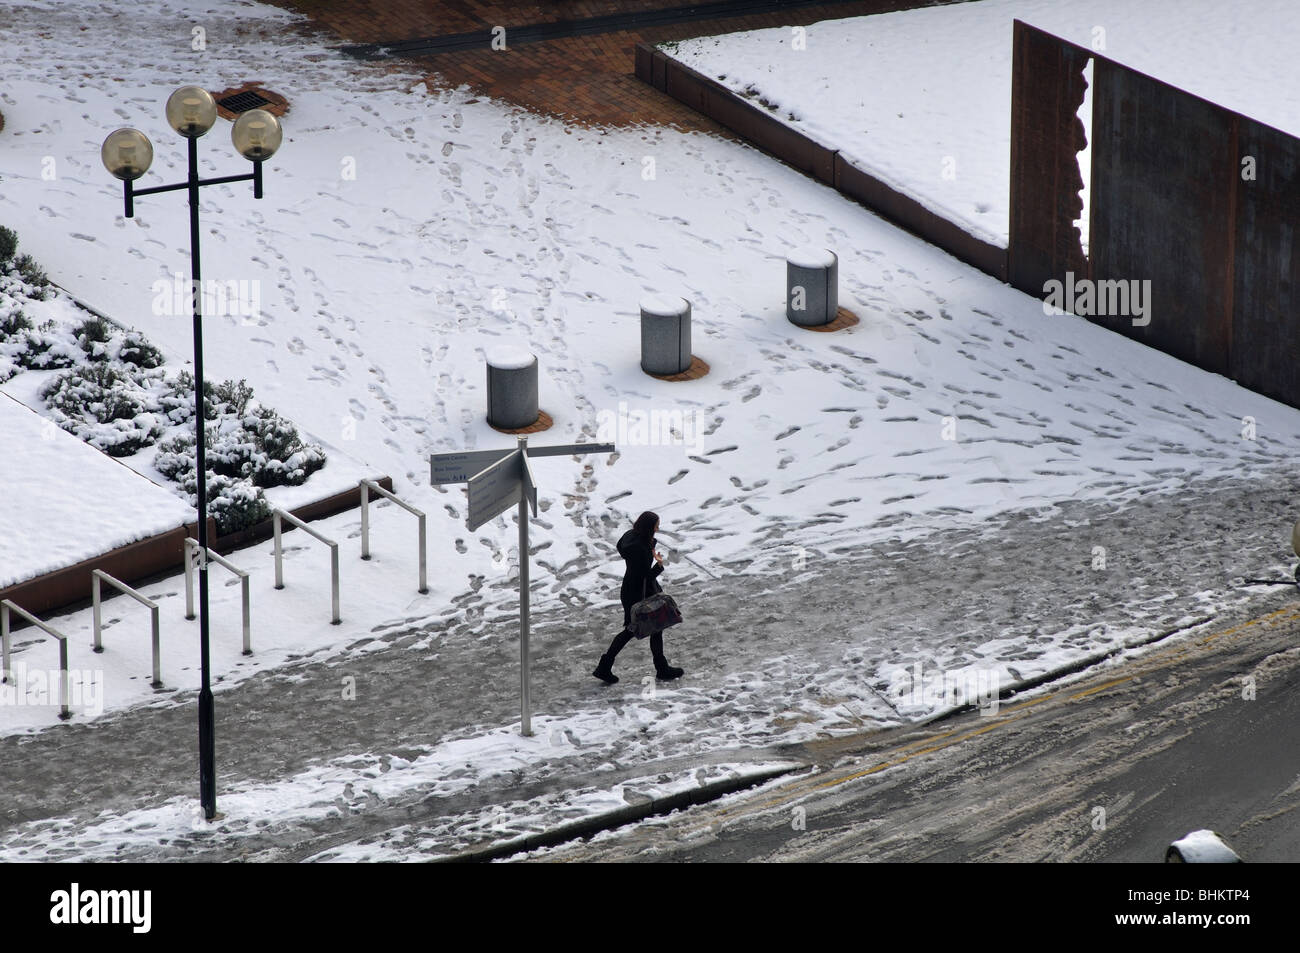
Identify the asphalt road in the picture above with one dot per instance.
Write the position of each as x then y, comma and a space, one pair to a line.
1109, 768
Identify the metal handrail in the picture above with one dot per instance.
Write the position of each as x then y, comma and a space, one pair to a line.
96, 577
191, 553
366, 487
5, 608
276, 517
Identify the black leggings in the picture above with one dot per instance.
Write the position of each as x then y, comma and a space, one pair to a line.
624, 637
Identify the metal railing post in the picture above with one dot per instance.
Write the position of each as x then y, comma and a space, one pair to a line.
96, 577
96, 616
368, 486
245, 611
248, 628
6, 606
365, 520
279, 515
279, 561
334, 582
64, 713
191, 551
156, 627
4, 640
424, 573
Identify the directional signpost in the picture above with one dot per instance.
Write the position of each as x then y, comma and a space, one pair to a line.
497, 480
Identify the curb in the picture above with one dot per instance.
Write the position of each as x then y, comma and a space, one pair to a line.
1070, 668
614, 819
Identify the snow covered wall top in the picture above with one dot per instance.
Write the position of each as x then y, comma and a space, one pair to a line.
63, 501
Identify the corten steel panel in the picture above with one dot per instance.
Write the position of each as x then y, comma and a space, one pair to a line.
1163, 166
1047, 89
1266, 280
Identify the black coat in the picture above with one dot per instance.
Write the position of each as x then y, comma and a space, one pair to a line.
639, 577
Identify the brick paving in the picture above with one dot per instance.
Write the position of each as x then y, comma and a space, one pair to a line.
587, 80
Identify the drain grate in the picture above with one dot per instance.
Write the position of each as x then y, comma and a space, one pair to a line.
243, 102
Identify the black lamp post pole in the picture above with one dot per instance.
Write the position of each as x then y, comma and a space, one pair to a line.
207, 711
207, 714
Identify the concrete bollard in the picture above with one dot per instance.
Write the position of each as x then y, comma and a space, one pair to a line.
812, 280
665, 335
511, 388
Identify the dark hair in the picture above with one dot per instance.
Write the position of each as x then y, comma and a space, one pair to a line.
645, 525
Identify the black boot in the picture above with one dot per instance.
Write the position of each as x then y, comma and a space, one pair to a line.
604, 671
663, 671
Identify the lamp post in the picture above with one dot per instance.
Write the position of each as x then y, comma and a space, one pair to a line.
127, 154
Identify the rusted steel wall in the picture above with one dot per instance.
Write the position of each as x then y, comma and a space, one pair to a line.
1047, 89
756, 125
1266, 282
1164, 166
1169, 205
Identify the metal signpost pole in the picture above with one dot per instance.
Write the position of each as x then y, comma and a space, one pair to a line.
525, 680
494, 477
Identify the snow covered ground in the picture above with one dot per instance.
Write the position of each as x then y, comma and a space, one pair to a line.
921, 99
812, 470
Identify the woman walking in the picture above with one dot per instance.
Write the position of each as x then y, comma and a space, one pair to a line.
644, 564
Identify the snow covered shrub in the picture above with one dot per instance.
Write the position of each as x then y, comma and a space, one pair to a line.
8, 245
13, 341
261, 447
34, 275
280, 458
102, 340
246, 450
93, 336
45, 349
233, 501
108, 406
177, 399
14, 324
135, 349
235, 395
23, 268
235, 504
